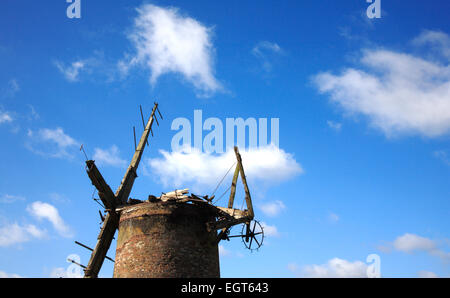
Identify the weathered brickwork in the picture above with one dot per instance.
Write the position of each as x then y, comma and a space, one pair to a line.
166, 240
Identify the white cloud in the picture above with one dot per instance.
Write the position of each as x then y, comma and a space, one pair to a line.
51, 142
272, 209
334, 125
58, 198
265, 51
199, 170
410, 243
46, 211
97, 67
5, 117
72, 271
109, 157
58, 273
442, 155
9, 275
426, 274
72, 71
270, 231
168, 42
223, 252
33, 114
14, 85
8, 199
440, 41
11, 89
333, 217
398, 92
262, 46
11, 234
57, 136
336, 268
293, 267
64, 273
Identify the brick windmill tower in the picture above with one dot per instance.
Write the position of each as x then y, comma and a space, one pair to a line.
174, 235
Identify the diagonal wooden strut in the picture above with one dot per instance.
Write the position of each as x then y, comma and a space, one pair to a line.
233, 186
248, 198
249, 214
111, 200
125, 187
103, 243
104, 191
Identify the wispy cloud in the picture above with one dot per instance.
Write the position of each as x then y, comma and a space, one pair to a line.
263, 46
95, 67
72, 271
13, 233
335, 268
10, 90
398, 92
5, 117
167, 41
9, 275
226, 253
293, 267
438, 40
443, 156
272, 209
412, 243
33, 115
223, 252
58, 198
58, 272
270, 230
426, 274
72, 71
51, 143
333, 217
110, 157
265, 52
336, 126
13, 87
46, 211
8, 199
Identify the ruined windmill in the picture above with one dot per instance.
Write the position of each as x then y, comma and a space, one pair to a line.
174, 235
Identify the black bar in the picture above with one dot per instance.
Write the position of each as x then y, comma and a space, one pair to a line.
143, 122
160, 115
72, 261
88, 248
134, 132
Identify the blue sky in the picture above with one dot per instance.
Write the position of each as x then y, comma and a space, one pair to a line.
363, 162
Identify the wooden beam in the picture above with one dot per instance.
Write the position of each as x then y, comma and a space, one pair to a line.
104, 240
104, 191
248, 198
226, 223
233, 187
126, 185
235, 213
